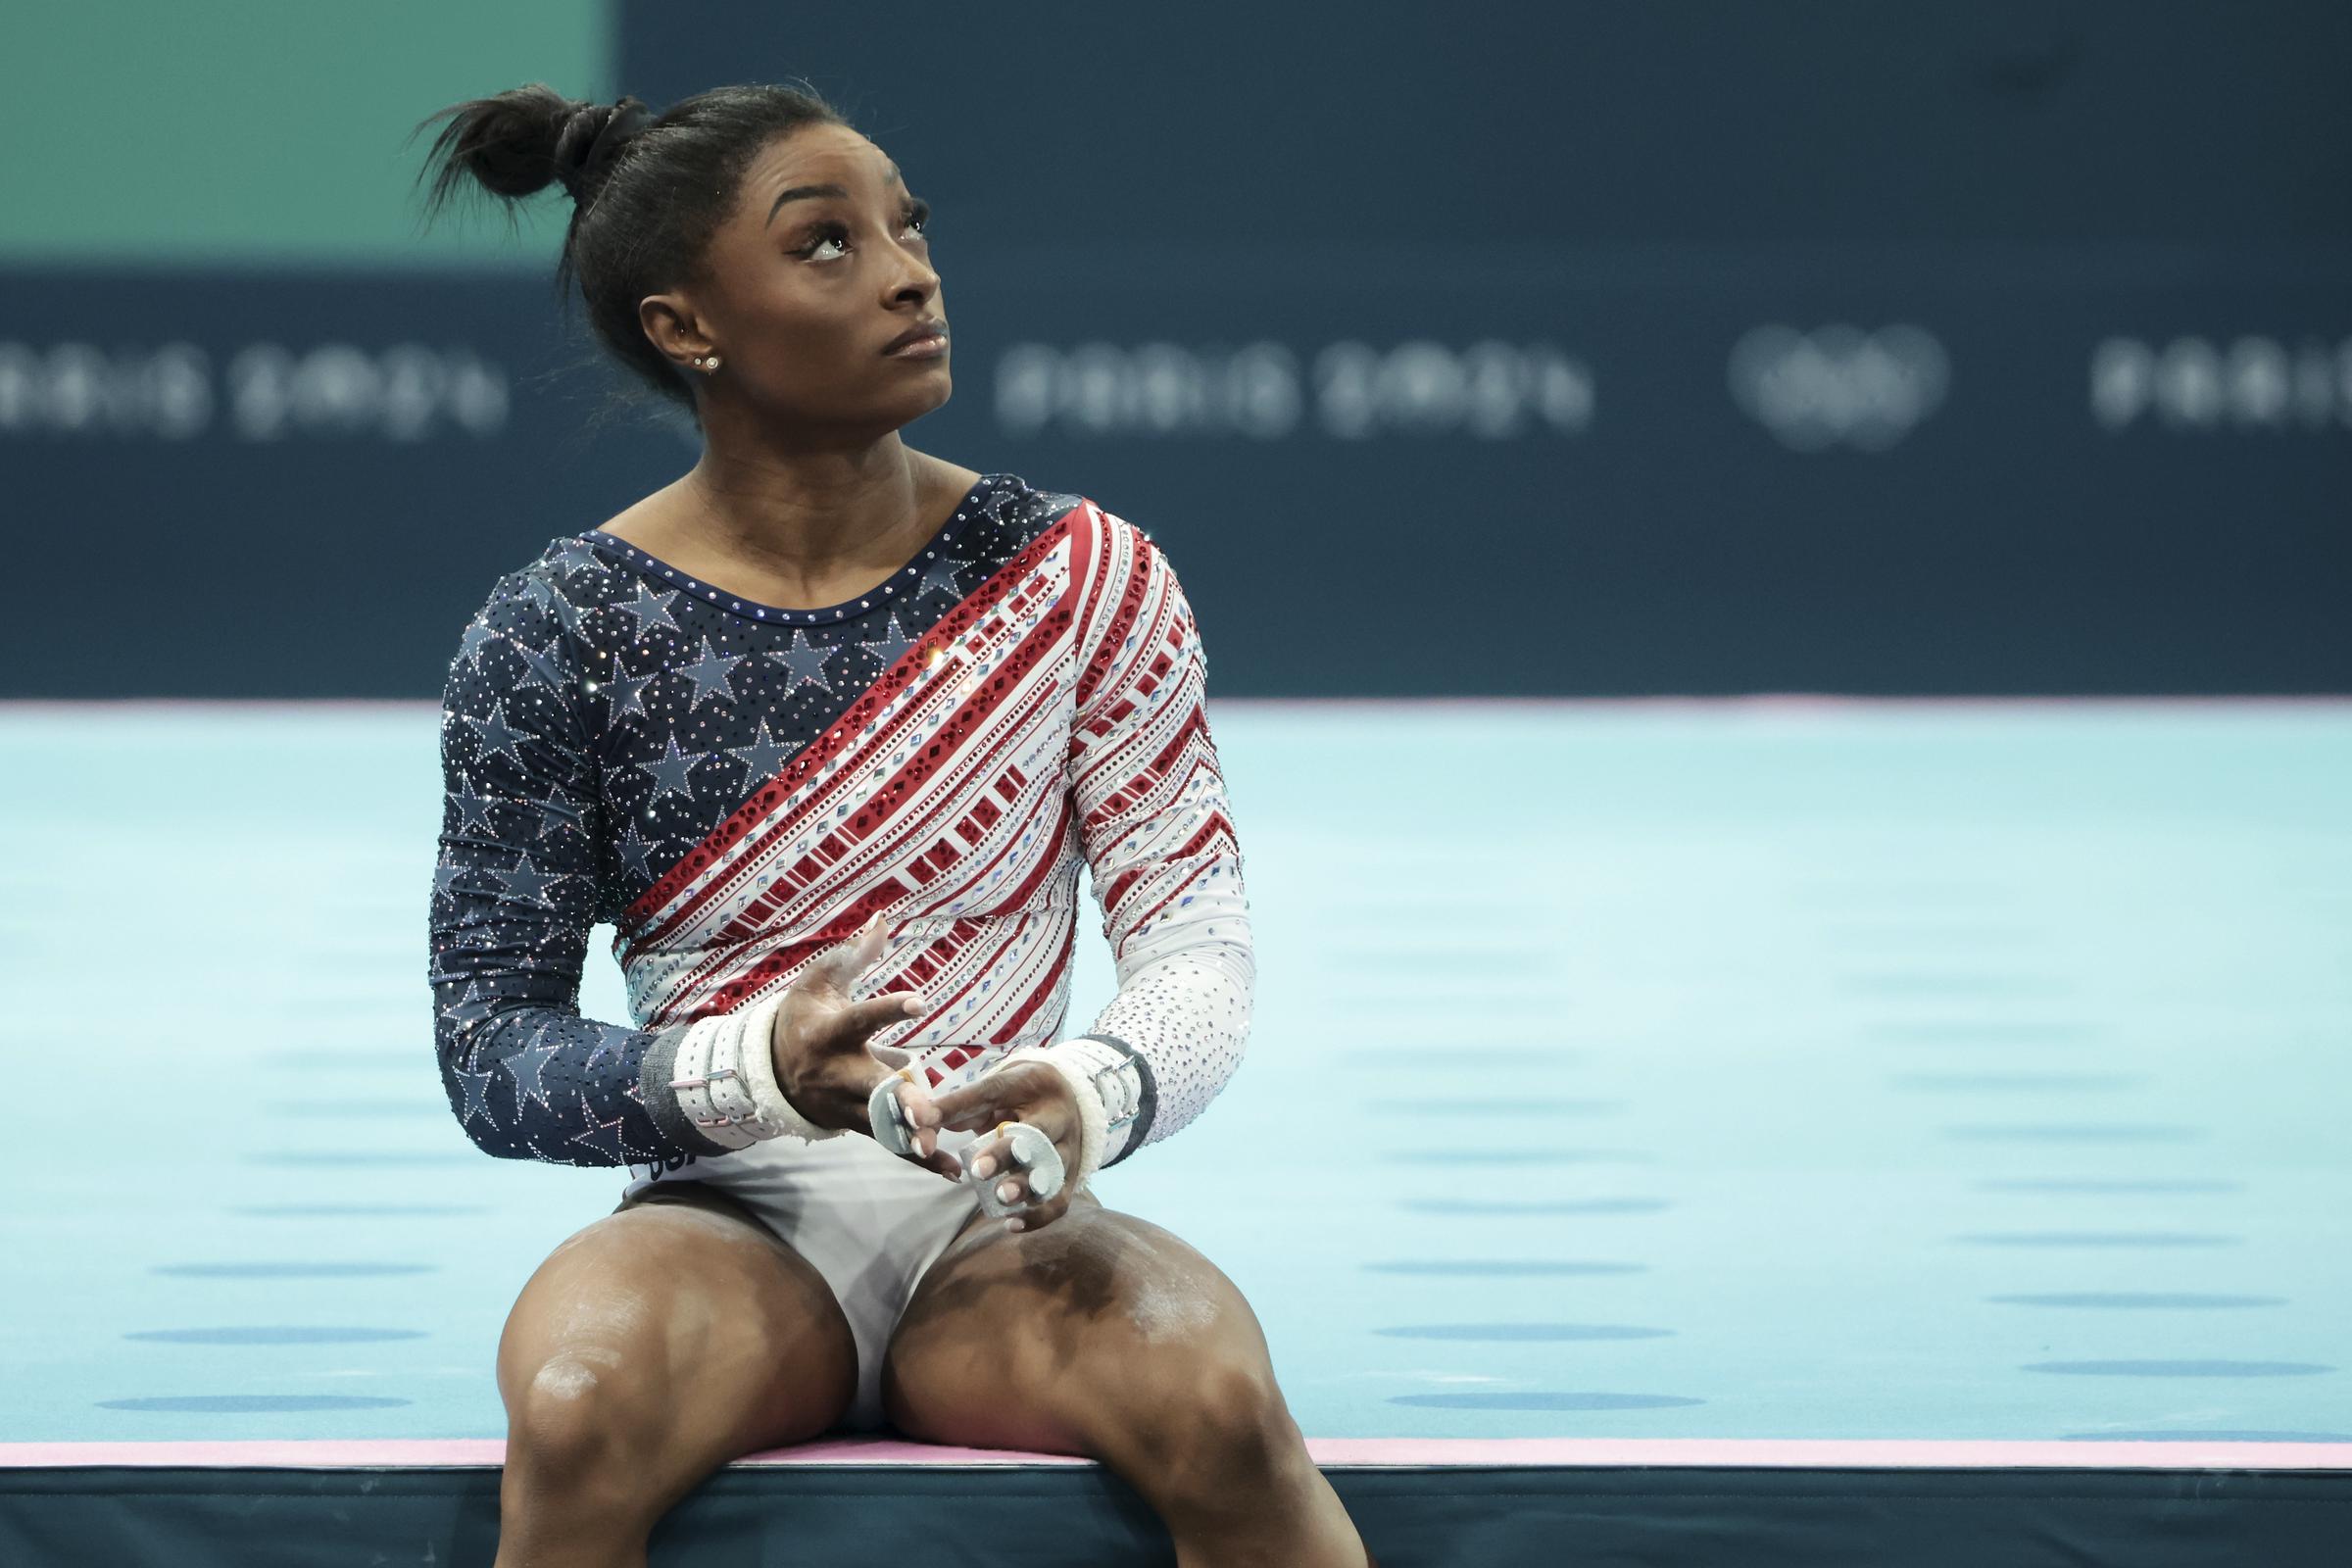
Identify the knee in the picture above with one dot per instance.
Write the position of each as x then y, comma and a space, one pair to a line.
1218, 1436
574, 1429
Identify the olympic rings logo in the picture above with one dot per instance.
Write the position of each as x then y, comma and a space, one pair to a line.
1839, 386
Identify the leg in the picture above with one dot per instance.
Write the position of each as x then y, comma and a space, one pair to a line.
649, 1350
1103, 1335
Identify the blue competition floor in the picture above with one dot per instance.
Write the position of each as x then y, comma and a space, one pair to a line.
1694, 1071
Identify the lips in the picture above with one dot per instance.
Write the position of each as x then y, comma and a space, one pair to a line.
916, 334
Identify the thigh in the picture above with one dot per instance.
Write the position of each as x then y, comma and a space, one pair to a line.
1068, 1340
665, 1339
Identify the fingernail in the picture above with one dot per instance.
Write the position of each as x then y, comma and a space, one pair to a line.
914, 1004
1007, 1192
1014, 1225
985, 1166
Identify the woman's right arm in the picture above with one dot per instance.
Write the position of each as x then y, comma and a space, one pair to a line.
513, 897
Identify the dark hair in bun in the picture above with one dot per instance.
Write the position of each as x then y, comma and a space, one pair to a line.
648, 189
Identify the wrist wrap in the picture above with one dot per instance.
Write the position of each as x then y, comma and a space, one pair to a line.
1106, 1080
726, 1080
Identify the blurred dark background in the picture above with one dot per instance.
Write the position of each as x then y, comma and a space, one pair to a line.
1595, 349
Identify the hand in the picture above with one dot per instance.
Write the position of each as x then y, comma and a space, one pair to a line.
1024, 1091
823, 1062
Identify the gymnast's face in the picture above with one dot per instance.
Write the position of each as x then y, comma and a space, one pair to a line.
820, 265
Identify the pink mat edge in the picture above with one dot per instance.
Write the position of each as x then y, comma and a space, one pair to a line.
1782, 700
1418, 1452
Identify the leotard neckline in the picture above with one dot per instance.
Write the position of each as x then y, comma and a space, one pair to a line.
900, 585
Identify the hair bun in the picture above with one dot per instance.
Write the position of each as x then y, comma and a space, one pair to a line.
592, 137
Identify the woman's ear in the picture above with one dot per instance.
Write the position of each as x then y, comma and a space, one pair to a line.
670, 324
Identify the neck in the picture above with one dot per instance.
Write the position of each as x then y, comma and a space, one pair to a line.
804, 515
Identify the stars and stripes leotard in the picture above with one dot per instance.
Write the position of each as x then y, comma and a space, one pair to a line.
736, 787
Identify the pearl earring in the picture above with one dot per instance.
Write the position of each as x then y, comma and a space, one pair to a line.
709, 363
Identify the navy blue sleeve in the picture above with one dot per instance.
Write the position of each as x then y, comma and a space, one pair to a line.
514, 894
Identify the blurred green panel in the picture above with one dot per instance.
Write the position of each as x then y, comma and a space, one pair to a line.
266, 131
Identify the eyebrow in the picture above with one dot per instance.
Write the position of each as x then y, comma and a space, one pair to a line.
799, 191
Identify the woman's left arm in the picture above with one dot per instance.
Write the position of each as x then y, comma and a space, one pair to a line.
1166, 868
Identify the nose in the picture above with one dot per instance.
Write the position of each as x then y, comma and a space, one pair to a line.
915, 279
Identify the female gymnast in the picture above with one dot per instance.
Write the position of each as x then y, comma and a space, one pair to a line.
825, 728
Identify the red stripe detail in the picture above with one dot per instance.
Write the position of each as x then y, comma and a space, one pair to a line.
843, 731
1119, 799
1045, 863
1086, 555
1132, 592
776, 826
979, 877
881, 895
1018, 661
934, 756
1045, 867
1198, 840
1011, 1029
877, 897
933, 960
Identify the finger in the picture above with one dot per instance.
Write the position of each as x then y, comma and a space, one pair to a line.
937, 1163
1014, 1187
1017, 1182
912, 1110
1004, 1165
845, 962
1043, 1215
1015, 1092
990, 1157
847, 1029
916, 1110
975, 1109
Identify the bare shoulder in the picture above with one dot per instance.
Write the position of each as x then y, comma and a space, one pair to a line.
642, 522
952, 480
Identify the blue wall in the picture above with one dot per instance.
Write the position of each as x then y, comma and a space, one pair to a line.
1934, 348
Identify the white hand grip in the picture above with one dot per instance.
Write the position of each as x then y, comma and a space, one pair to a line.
1028, 1148
1034, 1152
888, 1118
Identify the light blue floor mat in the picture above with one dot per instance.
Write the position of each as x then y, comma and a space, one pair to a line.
1710, 1070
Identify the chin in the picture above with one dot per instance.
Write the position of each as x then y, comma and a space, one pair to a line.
937, 393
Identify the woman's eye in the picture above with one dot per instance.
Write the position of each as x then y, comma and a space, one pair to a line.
917, 216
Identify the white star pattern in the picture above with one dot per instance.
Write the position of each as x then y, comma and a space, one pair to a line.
806, 659
540, 670
893, 644
473, 810
473, 640
709, 674
648, 609
527, 882
762, 756
940, 574
631, 690
496, 734
672, 770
